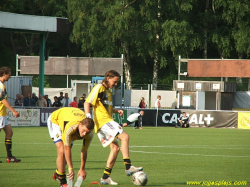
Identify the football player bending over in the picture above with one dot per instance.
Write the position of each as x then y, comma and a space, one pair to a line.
66, 125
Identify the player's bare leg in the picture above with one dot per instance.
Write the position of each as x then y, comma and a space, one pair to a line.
8, 144
124, 137
114, 150
60, 162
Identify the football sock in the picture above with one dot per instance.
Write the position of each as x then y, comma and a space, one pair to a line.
8, 145
61, 177
106, 172
127, 162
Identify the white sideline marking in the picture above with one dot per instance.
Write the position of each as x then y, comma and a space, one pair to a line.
186, 154
173, 146
194, 146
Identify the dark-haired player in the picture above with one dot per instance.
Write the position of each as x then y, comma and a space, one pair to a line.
5, 74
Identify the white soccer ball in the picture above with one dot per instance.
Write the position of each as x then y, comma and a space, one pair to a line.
140, 178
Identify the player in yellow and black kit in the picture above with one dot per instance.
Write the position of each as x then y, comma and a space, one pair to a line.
5, 74
65, 126
106, 128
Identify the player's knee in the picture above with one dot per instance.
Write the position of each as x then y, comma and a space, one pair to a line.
9, 135
125, 137
117, 149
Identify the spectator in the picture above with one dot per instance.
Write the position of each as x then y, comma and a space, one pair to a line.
60, 98
66, 100
56, 103
22, 98
183, 121
29, 101
137, 118
74, 103
81, 101
174, 104
34, 97
18, 101
157, 102
41, 101
143, 103
46, 97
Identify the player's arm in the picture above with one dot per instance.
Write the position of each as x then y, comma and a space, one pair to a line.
67, 153
82, 171
7, 104
87, 109
66, 137
120, 112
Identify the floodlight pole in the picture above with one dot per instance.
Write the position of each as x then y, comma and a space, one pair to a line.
179, 67
121, 80
41, 69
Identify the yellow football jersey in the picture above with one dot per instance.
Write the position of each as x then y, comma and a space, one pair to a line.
68, 119
101, 99
3, 109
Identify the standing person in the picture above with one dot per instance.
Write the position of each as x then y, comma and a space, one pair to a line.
81, 101
60, 98
29, 101
41, 101
18, 100
174, 104
5, 74
34, 97
46, 97
142, 103
66, 100
137, 118
157, 102
106, 128
56, 103
66, 125
74, 103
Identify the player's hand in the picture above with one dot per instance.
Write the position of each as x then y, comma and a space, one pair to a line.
120, 112
124, 124
71, 174
16, 114
82, 173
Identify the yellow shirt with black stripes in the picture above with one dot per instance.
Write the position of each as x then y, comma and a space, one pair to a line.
68, 119
3, 109
101, 100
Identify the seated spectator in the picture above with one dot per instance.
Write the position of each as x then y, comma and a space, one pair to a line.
56, 103
29, 101
46, 97
41, 101
66, 100
18, 100
34, 97
74, 103
183, 120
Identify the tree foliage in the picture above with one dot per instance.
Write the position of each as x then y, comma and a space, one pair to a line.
148, 33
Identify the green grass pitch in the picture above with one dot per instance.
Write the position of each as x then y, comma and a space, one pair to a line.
170, 157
